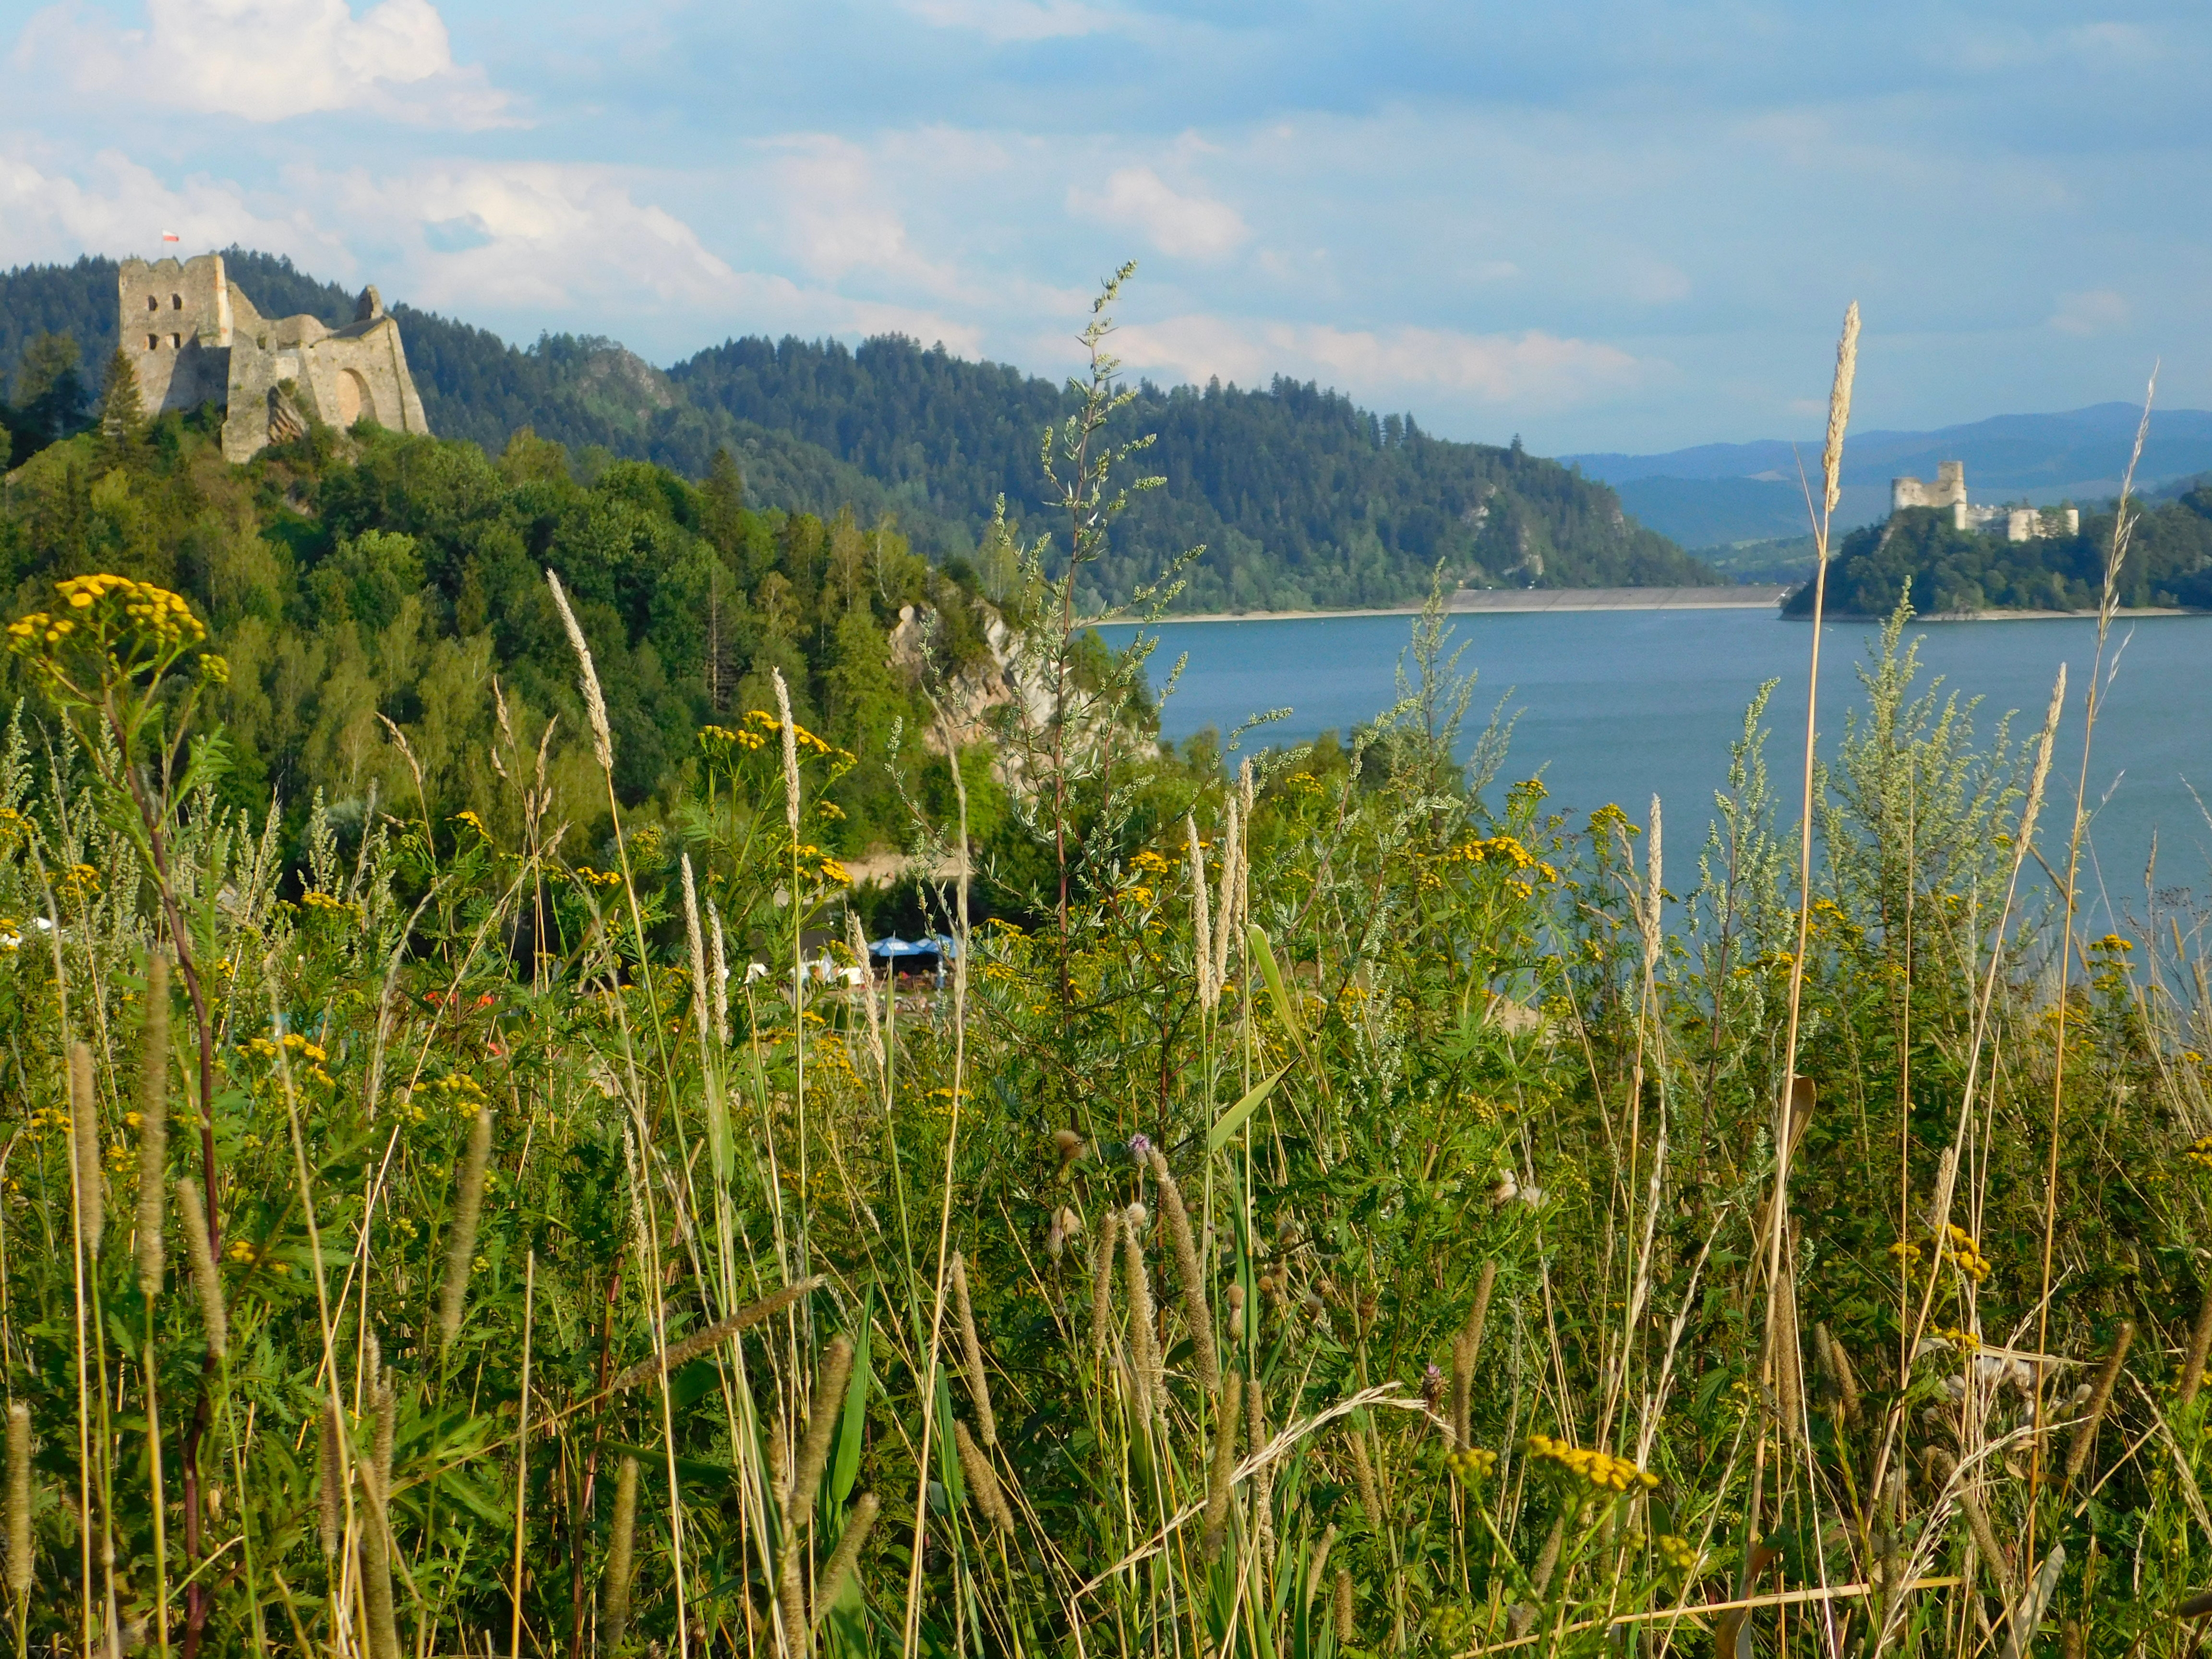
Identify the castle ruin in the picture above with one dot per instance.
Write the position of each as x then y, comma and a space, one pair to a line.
194, 338
1948, 494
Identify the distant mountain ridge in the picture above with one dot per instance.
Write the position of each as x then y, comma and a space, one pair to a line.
1301, 499
1713, 495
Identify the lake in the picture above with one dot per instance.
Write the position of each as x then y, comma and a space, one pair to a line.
1621, 705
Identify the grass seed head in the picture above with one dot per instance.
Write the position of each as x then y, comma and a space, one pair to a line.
153, 1125
84, 1142
205, 1280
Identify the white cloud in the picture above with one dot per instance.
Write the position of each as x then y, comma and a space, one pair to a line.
1003, 20
1179, 225
526, 235
2096, 311
117, 206
1533, 370
267, 60
835, 217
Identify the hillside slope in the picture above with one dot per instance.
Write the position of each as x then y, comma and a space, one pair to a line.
1301, 498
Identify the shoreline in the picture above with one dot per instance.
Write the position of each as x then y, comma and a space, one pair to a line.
1918, 618
1522, 601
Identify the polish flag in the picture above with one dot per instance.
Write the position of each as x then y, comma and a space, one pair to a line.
171, 236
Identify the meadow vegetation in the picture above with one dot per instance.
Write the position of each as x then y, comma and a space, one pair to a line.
1339, 1205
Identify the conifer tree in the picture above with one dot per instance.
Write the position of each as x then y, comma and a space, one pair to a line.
122, 410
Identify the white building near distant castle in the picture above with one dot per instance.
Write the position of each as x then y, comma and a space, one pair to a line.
1949, 493
195, 338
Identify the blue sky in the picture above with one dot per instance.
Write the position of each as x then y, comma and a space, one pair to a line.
1603, 226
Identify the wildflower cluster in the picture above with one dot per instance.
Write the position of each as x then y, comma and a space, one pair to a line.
462, 1095
1959, 1249
131, 624
1471, 1463
1150, 862
1603, 1470
1679, 1554
2200, 1152
1506, 851
328, 904
472, 820
592, 877
723, 744
815, 865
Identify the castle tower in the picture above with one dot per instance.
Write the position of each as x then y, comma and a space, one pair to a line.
1949, 489
194, 338
174, 320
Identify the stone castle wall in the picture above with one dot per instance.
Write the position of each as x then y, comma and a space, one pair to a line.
195, 338
1949, 493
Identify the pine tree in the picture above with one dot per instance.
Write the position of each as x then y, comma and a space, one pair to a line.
122, 411
49, 392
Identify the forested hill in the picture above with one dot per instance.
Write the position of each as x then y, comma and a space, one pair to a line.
1301, 498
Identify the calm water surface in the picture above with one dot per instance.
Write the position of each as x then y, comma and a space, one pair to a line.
1622, 705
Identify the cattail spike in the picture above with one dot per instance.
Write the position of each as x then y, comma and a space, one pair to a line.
823, 1412
205, 1280
461, 1240
842, 1559
622, 1545
153, 1124
1196, 1313
971, 1351
85, 1141
19, 1499
2100, 1396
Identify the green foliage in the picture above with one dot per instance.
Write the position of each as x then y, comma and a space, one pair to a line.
381, 600
1434, 1134
1918, 556
1299, 498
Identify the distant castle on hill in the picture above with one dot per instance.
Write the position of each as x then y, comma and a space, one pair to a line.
2021, 524
195, 338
